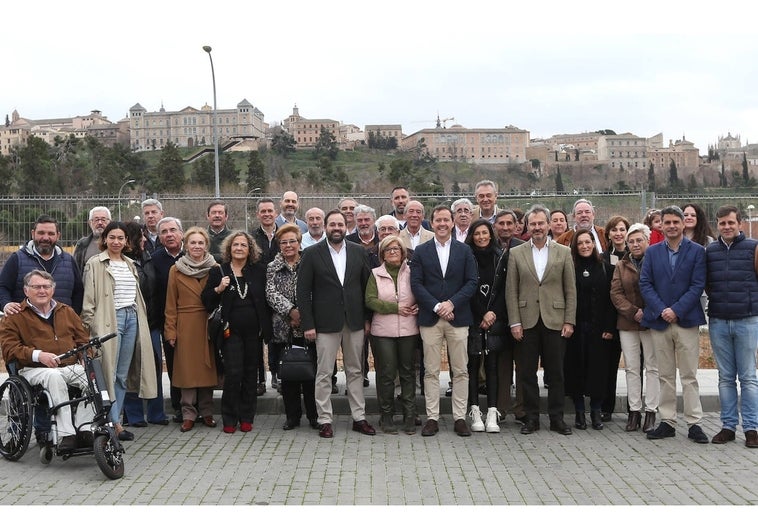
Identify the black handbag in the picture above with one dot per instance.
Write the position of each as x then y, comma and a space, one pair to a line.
297, 364
217, 330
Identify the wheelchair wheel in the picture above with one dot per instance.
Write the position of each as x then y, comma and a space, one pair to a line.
16, 414
46, 454
109, 458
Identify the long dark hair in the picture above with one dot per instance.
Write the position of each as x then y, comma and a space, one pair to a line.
470, 236
575, 252
702, 227
113, 225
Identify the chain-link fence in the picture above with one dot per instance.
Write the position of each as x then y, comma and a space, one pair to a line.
17, 215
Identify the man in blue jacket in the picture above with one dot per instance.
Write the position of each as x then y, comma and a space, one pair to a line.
671, 282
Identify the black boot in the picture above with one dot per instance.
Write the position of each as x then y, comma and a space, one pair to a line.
580, 421
649, 424
596, 417
633, 423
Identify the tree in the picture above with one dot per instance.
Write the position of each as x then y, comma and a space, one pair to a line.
169, 174
558, 181
227, 170
673, 176
745, 172
651, 177
256, 172
6, 175
204, 171
722, 176
326, 145
576, 154
37, 168
283, 143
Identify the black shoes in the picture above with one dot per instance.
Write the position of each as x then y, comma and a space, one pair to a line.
580, 422
67, 444
461, 428
662, 431
633, 422
430, 428
597, 420
606, 417
291, 425
530, 426
559, 426
649, 424
696, 434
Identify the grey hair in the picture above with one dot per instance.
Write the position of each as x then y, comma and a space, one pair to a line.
639, 227
537, 208
387, 217
573, 209
485, 182
95, 209
167, 219
152, 202
462, 201
365, 209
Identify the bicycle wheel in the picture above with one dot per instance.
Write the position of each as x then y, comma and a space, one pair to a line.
16, 414
109, 458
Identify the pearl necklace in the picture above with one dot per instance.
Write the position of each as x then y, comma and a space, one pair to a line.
242, 293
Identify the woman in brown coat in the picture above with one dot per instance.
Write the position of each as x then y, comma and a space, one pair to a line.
186, 329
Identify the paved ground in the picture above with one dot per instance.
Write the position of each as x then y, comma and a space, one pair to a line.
271, 466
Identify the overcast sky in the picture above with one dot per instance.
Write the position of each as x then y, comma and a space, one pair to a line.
645, 67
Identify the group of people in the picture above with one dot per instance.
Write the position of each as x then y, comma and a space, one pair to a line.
499, 292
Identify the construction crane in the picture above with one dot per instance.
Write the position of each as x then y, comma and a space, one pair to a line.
442, 124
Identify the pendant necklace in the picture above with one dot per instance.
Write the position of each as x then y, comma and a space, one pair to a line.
242, 293
586, 273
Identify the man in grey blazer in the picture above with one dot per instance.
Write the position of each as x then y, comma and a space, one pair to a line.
331, 283
540, 295
444, 277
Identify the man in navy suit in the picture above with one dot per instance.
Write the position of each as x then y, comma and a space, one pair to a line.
671, 282
444, 277
331, 283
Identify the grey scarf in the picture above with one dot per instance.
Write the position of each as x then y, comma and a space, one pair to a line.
187, 266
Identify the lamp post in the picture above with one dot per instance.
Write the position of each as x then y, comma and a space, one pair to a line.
215, 120
247, 196
130, 181
750, 209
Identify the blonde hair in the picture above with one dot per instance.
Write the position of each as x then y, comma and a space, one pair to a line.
197, 230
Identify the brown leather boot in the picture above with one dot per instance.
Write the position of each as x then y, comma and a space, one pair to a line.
633, 423
649, 424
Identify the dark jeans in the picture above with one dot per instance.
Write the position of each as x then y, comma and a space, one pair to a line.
176, 394
475, 355
541, 342
395, 356
293, 391
242, 356
274, 351
609, 399
134, 410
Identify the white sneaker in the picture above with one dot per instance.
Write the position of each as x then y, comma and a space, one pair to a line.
493, 415
476, 419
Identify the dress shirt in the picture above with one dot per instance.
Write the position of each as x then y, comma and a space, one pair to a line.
339, 258
443, 253
460, 235
414, 238
540, 259
309, 240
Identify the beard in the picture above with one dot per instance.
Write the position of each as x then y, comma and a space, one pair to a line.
336, 236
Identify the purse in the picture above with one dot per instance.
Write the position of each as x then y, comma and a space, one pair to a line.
297, 364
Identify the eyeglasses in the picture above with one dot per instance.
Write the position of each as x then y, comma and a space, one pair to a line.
387, 229
392, 250
288, 242
462, 210
40, 287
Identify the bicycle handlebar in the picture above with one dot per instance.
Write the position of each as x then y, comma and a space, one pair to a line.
93, 342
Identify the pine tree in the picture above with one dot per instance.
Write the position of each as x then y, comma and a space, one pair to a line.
651, 177
558, 181
256, 172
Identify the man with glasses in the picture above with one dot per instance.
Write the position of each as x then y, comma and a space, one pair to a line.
463, 209
89, 246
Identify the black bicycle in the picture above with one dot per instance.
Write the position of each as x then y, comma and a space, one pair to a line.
18, 400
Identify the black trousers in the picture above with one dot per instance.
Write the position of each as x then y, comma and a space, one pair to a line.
242, 357
541, 343
475, 349
176, 394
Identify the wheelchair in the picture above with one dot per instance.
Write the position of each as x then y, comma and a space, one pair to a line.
18, 400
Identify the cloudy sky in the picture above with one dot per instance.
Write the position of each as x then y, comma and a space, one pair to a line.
646, 67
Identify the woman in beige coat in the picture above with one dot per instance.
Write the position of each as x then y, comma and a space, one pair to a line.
114, 303
186, 329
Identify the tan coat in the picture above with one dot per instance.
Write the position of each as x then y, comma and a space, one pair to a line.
187, 323
99, 316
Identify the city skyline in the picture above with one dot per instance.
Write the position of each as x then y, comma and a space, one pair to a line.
552, 69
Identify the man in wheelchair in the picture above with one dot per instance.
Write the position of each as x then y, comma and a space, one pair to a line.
33, 337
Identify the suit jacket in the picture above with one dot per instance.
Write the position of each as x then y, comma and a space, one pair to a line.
565, 238
458, 285
324, 303
405, 236
478, 214
553, 299
679, 289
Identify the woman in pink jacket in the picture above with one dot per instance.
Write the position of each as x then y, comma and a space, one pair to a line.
394, 333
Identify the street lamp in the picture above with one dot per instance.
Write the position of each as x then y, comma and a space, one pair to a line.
750, 209
247, 196
215, 119
130, 181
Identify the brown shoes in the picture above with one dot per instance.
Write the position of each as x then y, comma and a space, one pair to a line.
751, 439
649, 424
430, 428
461, 428
209, 421
361, 426
723, 437
187, 425
326, 431
633, 422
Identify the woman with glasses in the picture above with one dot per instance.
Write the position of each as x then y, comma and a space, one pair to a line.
394, 333
239, 284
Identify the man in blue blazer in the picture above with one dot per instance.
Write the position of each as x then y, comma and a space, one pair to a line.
444, 277
671, 282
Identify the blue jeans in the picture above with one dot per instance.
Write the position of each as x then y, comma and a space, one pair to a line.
734, 344
133, 404
126, 321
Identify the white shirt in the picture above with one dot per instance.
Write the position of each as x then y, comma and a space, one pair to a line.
540, 259
460, 235
339, 258
308, 240
443, 253
415, 239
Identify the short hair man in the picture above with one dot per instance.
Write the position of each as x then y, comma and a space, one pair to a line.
444, 277
540, 296
41, 252
462, 209
485, 193
505, 229
732, 264
347, 206
399, 198
287, 211
365, 216
584, 218
33, 337
217, 215
414, 233
152, 213
264, 235
671, 282
387, 225
331, 283
89, 246
314, 218
161, 260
